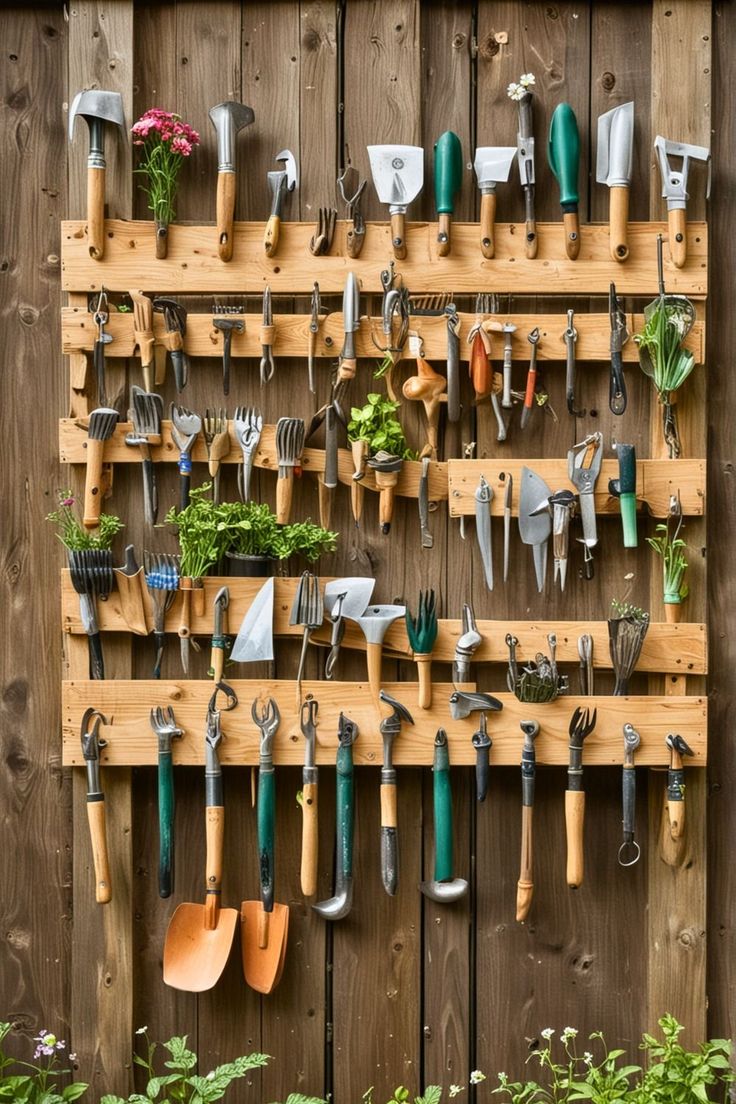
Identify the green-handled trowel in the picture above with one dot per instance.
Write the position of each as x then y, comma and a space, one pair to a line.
448, 174
563, 152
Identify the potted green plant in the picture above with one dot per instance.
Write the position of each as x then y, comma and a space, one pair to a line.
377, 439
671, 547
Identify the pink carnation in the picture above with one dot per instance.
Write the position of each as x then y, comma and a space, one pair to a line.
180, 145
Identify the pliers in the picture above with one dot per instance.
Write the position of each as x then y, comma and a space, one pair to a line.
583, 469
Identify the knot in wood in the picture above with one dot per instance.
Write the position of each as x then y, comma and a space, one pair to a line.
488, 47
608, 82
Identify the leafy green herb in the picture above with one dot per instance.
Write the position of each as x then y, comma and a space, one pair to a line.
674, 563
376, 423
202, 540
73, 534
667, 362
627, 611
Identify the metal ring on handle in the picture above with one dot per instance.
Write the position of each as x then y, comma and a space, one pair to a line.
622, 850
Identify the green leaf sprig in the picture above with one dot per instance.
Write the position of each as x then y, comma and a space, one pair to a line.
73, 534
376, 423
674, 563
665, 360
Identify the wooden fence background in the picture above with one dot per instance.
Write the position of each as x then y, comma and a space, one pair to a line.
403, 991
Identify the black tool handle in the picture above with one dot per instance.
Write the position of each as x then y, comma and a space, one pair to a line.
481, 771
96, 662
617, 388
185, 478
629, 803
160, 642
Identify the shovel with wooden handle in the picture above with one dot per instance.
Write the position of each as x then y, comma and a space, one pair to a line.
563, 152
96, 108
101, 427
492, 166
91, 745
375, 622
398, 176
674, 189
448, 175
227, 118
613, 167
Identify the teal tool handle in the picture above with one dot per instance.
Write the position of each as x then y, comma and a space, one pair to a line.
564, 154
624, 488
448, 171
345, 810
628, 518
165, 824
266, 819
442, 814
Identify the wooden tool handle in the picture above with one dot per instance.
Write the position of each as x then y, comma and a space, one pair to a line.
676, 816
325, 502
225, 212
310, 839
93, 491
677, 221
444, 222
386, 508
357, 495
487, 224
397, 237
373, 655
574, 818
185, 619
389, 815
284, 490
215, 833
618, 216
424, 676
271, 237
531, 243
572, 234
525, 885
96, 213
217, 663
96, 818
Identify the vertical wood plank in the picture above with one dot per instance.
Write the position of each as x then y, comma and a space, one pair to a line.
317, 107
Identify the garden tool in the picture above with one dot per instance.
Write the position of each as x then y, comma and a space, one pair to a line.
219, 633
613, 167
101, 427
185, 429
129, 579
163, 723
338, 906
308, 611
217, 440
248, 425
466, 645
427, 387
398, 176
422, 633
359, 453
676, 784
281, 181
525, 884
175, 320
264, 924
390, 728
321, 241
563, 152
227, 118
423, 504
626, 633
629, 851
531, 378
227, 326
143, 334
443, 888
453, 363
587, 671
535, 529
92, 743
289, 448
582, 724
483, 498
254, 642
91, 573
386, 467
570, 338
624, 489
162, 580
479, 365
561, 507
395, 316
344, 598
199, 937
540, 680
96, 108
492, 166
674, 189
314, 321
583, 469
267, 366
310, 779
351, 323
375, 622
619, 337
508, 329
468, 454
146, 411
100, 318
462, 704
525, 161
351, 189
448, 176
508, 496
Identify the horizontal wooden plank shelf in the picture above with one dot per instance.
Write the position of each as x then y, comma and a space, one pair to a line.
656, 481
126, 705
291, 335
672, 649
193, 266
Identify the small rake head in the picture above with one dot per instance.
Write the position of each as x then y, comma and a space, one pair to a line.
582, 724
91, 571
162, 571
289, 440
146, 412
308, 606
215, 422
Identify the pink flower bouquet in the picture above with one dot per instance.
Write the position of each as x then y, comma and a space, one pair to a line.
165, 141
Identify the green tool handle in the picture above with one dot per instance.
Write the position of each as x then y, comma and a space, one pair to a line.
345, 811
564, 154
165, 824
442, 814
624, 488
266, 819
448, 171
628, 518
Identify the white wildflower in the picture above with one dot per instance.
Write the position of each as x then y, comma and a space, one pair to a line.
141, 1031
210, 1076
476, 1077
588, 1058
547, 1033
568, 1034
527, 80
455, 1090
515, 91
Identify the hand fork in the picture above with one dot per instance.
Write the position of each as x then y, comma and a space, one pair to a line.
248, 422
218, 445
307, 610
582, 724
186, 426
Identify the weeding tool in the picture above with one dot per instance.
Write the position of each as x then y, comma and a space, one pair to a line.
453, 363
570, 338
129, 579
619, 337
339, 905
96, 108
227, 327
175, 320
613, 167
359, 453
390, 728
375, 622
448, 175
492, 166
583, 469
386, 467
91, 573
535, 529
100, 319
162, 580
422, 633
587, 671
146, 412
267, 366
423, 505
163, 723
219, 633
676, 784
144, 339
101, 427
624, 489
563, 152
443, 888
314, 321
92, 743
248, 425
351, 323
217, 440
281, 181
320, 242
531, 378
398, 176
466, 645
344, 598
310, 780
462, 704
483, 498
186, 427
525, 884
674, 189
227, 118
289, 448
308, 611
508, 496
351, 189
629, 851
582, 724
525, 161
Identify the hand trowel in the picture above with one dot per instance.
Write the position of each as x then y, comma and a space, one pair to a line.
535, 530
492, 166
254, 642
398, 176
613, 167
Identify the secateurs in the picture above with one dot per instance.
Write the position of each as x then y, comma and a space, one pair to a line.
619, 336
175, 320
582, 724
583, 466
186, 427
